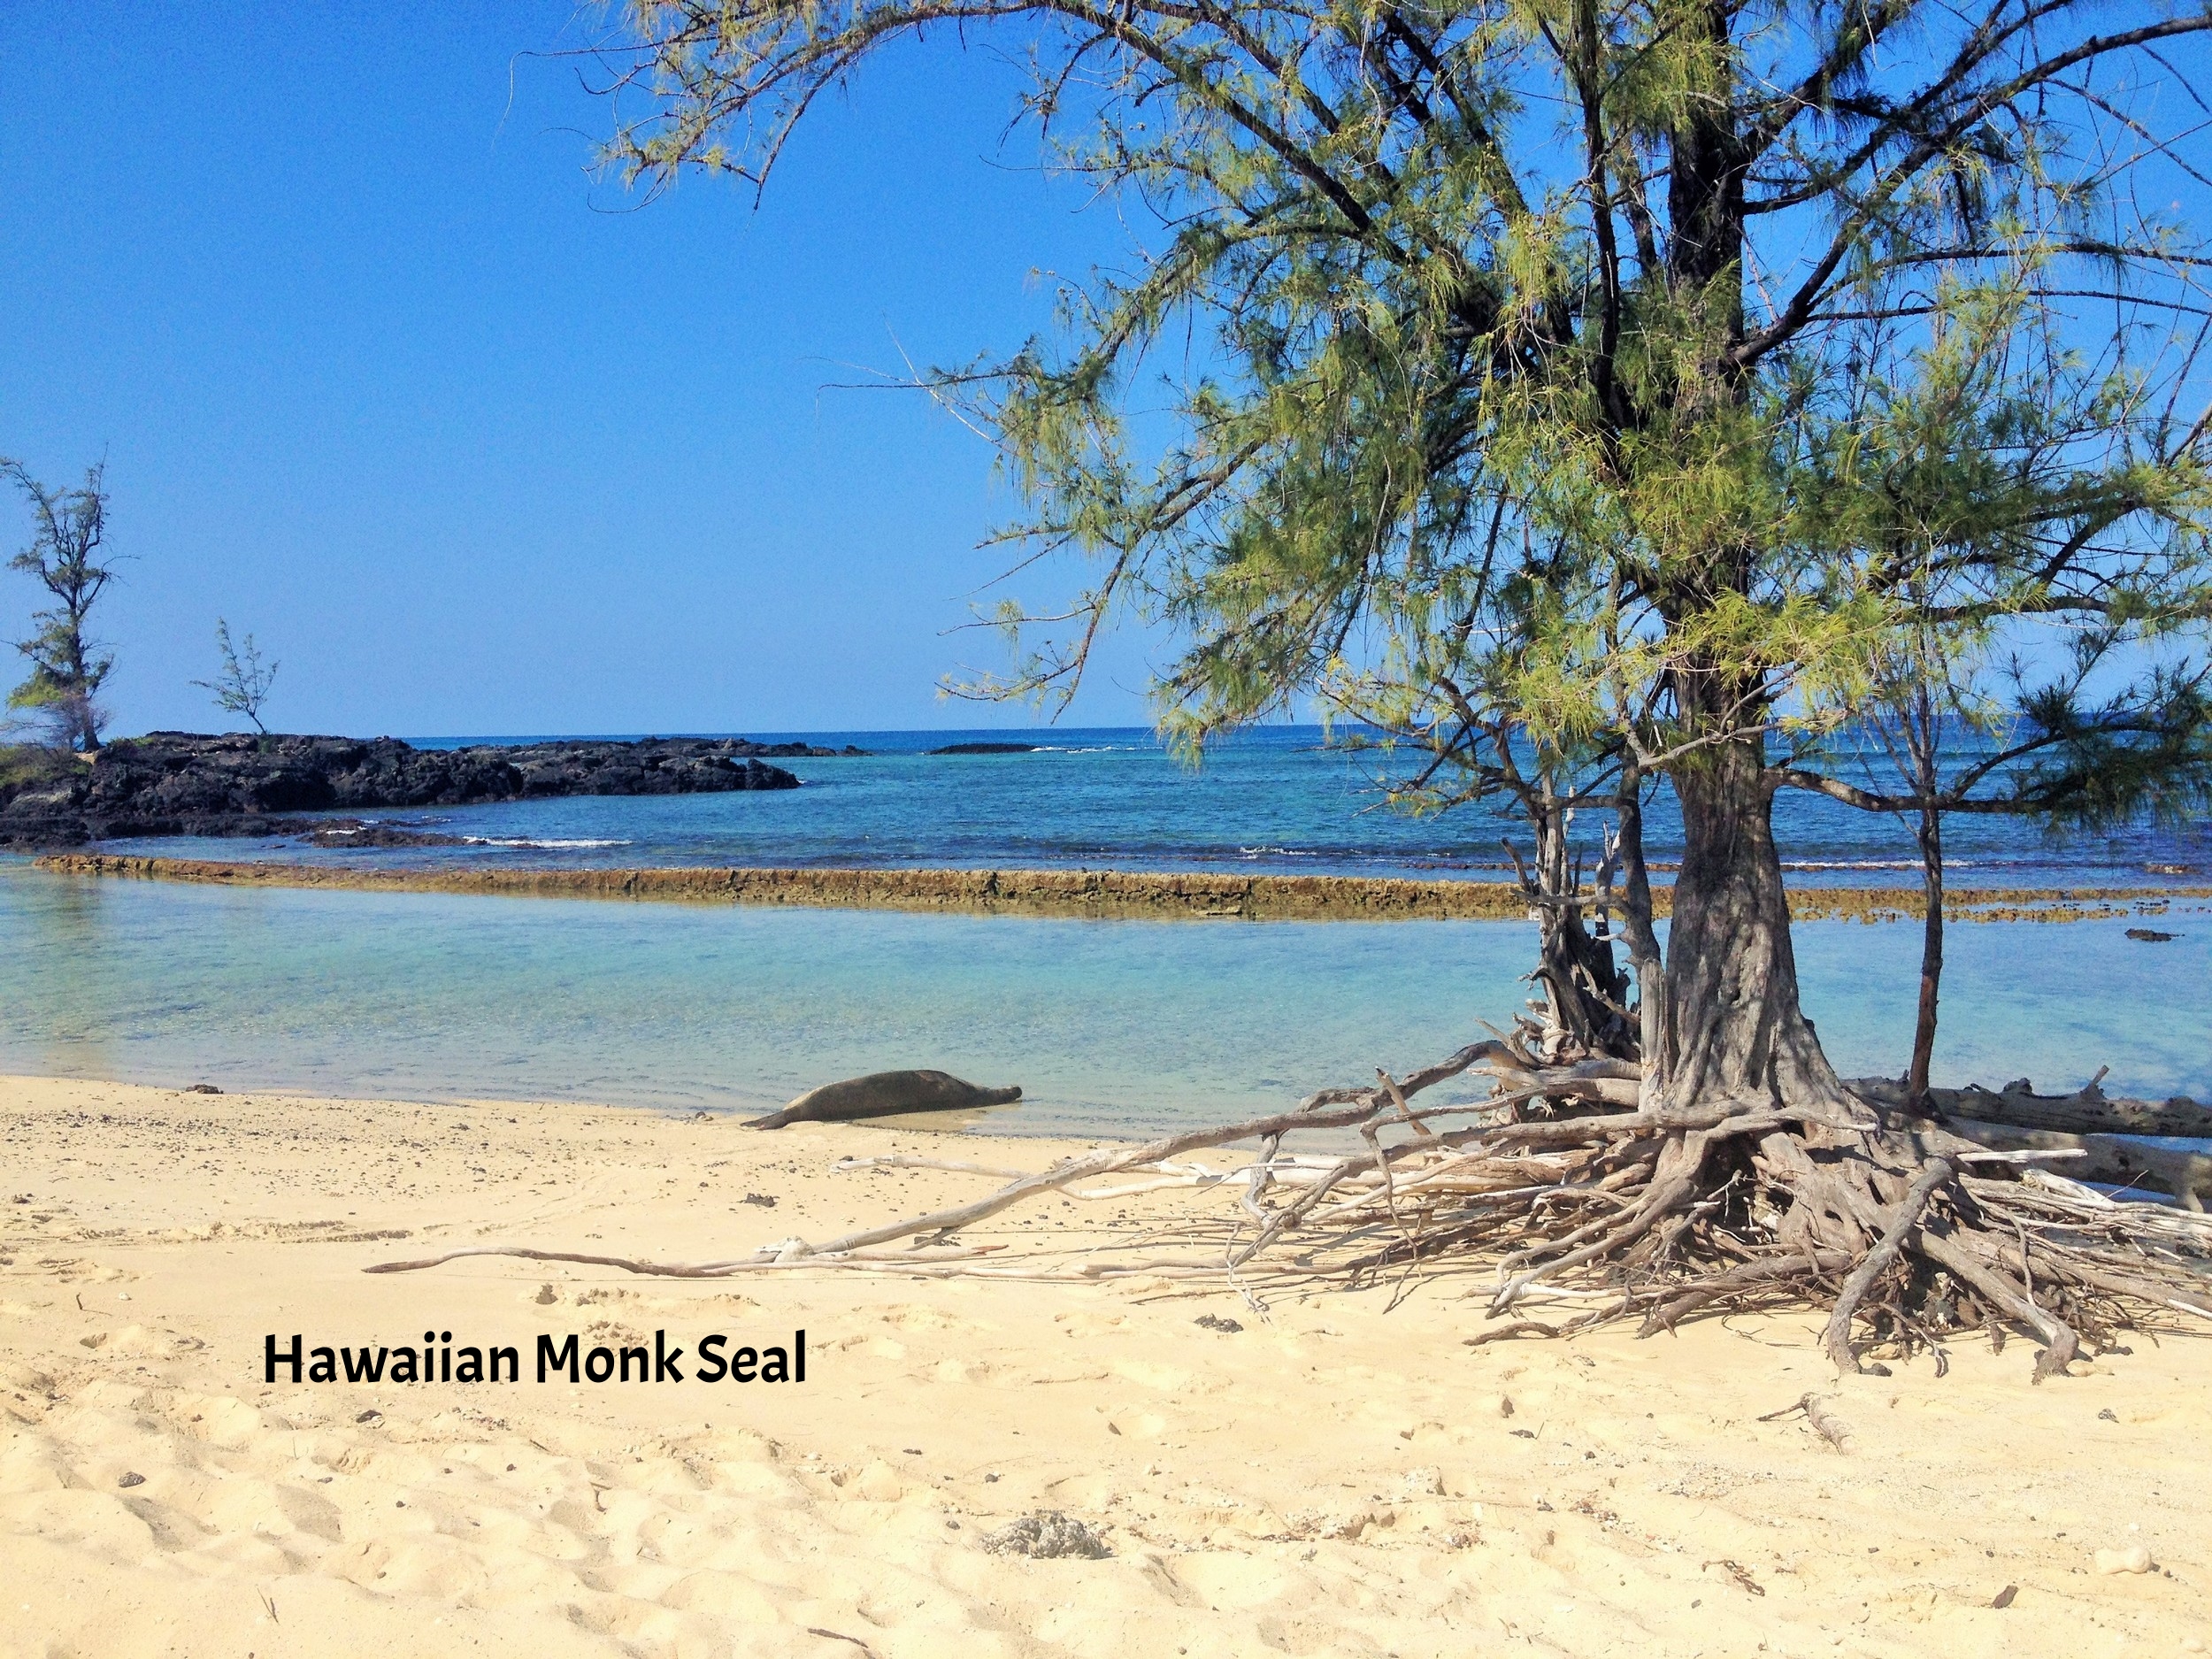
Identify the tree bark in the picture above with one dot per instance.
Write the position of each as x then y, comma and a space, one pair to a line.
1736, 1030
1924, 1035
1643, 942
1587, 994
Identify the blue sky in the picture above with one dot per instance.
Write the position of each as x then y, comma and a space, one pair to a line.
382, 376
475, 444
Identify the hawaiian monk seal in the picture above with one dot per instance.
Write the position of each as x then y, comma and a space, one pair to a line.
881, 1094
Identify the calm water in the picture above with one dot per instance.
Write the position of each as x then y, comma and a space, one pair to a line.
1273, 799
1112, 1027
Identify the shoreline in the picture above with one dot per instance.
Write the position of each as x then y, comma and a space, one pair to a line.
1320, 1473
1110, 894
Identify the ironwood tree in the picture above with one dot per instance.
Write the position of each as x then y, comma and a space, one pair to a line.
1605, 398
67, 669
242, 685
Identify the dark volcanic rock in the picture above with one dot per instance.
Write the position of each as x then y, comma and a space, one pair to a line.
175, 783
986, 749
361, 832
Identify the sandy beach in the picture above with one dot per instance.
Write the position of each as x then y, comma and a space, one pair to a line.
1333, 1477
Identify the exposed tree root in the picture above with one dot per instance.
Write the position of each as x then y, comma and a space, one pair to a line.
1879, 1260
1908, 1234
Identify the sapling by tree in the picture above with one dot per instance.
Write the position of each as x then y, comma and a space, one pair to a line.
67, 667
1960, 726
1604, 394
2048, 756
242, 683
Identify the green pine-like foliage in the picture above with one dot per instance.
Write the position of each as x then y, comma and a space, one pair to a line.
1628, 378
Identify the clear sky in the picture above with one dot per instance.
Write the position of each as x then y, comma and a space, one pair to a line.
383, 377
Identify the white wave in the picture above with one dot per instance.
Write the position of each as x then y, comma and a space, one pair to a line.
1275, 852
1872, 863
494, 841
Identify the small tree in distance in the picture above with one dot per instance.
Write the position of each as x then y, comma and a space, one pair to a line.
66, 668
242, 685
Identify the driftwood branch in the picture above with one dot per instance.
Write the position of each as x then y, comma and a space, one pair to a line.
1831, 1427
2116, 1160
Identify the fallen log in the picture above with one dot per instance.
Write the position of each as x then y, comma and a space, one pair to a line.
2115, 1160
2086, 1111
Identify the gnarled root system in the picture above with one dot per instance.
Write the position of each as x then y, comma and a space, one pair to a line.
1569, 1205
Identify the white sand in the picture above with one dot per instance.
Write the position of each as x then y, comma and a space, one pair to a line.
1334, 1478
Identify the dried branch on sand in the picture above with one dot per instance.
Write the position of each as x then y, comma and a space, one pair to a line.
1547, 1192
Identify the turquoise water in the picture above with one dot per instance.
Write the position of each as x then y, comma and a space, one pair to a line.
1272, 799
1112, 1027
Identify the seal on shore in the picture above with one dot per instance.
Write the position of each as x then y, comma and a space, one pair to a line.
883, 1093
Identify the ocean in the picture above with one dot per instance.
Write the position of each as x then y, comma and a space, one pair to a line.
1112, 1027
1277, 798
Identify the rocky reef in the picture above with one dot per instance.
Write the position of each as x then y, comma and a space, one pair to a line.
1100, 895
178, 783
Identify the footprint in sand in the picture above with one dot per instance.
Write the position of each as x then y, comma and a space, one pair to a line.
1088, 1325
913, 1317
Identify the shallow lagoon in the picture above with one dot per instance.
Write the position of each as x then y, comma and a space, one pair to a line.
1112, 1027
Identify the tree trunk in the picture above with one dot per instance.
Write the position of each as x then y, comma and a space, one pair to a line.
1924, 1035
1586, 994
1736, 1030
1643, 942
